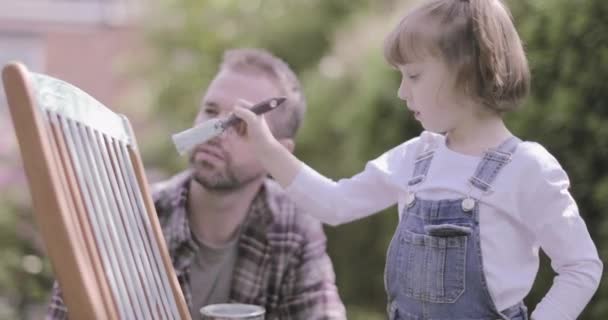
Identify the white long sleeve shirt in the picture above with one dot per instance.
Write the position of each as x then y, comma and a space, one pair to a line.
529, 207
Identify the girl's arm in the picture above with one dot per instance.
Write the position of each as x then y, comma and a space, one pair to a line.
331, 202
562, 234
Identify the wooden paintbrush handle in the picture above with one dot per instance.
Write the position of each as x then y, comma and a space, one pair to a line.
259, 108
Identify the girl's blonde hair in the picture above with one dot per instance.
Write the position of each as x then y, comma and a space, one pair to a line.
478, 42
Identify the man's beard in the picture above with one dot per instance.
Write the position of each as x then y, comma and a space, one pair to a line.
220, 179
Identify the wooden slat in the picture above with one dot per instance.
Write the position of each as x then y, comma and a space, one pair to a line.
157, 231
84, 222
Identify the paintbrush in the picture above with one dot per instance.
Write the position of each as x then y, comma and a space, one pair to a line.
186, 140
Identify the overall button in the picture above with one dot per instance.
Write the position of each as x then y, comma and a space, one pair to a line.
468, 204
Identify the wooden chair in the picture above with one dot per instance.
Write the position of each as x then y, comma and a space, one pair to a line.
91, 202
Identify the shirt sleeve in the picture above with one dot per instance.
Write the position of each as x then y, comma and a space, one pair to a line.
370, 191
562, 234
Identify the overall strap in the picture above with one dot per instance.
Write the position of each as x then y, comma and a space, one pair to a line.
491, 164
424, 156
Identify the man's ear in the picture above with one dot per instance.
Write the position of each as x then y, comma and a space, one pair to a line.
288, 143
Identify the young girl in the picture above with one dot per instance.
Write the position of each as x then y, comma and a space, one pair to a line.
475, 203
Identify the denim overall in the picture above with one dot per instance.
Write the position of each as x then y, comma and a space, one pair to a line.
434, 268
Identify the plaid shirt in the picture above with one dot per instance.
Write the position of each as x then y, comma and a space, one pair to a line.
281, 265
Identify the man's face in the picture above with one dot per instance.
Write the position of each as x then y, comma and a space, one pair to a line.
226, 162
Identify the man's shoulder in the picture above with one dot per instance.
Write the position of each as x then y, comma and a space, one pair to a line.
165, 193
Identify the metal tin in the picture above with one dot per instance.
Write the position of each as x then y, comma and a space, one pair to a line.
232, 311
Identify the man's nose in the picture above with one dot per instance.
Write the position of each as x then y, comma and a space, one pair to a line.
218, 140
229, 133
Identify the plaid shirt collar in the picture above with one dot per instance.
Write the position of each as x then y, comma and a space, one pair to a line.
171, 204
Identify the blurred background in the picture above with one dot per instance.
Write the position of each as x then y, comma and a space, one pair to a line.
151, 60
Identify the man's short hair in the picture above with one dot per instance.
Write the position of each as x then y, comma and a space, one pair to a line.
286, 120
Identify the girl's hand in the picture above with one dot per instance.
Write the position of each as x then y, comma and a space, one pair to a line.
257, 132
276, 159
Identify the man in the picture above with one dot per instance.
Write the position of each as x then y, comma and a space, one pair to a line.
232, 234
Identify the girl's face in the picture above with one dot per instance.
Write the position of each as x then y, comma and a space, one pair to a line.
427, 86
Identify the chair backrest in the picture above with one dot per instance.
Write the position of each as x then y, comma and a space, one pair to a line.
91, 202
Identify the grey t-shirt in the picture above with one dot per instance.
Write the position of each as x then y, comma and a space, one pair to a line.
211, 275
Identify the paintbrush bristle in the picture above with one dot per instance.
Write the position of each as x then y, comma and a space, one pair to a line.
188, 139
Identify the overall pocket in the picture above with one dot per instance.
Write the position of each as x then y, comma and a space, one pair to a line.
433, 264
